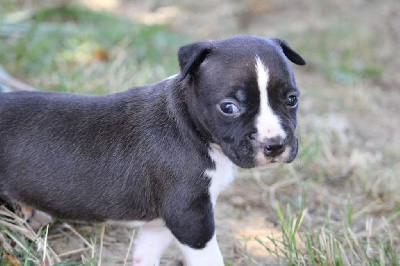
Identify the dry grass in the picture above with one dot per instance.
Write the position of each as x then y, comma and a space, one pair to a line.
18, 237
20, 244
348, 126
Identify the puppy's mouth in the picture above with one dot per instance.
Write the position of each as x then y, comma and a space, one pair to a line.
262, 159
254, 155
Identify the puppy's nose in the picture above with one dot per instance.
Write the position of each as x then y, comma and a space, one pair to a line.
273, 146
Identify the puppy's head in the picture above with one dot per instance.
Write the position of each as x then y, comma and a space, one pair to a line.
241, 94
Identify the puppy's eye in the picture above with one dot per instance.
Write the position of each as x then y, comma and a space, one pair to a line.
291, 101
229, 108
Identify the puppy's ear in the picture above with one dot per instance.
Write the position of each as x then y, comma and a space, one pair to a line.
289, 52
191, 56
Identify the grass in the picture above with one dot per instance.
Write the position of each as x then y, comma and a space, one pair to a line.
345, 53
333, 243
21, 243
349, 214
349, 207
70, 48
354, 207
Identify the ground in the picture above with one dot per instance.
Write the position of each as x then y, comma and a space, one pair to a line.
348, 165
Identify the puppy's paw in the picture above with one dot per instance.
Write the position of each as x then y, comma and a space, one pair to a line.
35, 218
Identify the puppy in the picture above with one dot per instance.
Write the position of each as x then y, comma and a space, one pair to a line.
158, 155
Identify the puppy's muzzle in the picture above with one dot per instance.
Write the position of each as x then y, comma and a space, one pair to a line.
273, 146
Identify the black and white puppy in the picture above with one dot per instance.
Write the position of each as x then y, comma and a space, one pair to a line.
160, 154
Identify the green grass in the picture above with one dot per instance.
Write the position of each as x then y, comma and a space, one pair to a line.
20, 241
78, 50
333, 243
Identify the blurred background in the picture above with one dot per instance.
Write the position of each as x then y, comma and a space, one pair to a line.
337, 204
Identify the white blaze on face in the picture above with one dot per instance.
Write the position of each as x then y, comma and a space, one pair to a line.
268, 124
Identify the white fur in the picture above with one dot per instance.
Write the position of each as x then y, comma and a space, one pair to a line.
222, 175
268, 123
261, 159
210, 255
285, 155
150, 243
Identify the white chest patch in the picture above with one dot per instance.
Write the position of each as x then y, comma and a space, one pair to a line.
268, 124
222, 175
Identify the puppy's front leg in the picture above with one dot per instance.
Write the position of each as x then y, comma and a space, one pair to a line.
210, 255
192, 224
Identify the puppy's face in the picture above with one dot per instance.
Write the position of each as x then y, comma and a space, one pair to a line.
245, 97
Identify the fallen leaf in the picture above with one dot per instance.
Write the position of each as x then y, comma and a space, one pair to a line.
11, 259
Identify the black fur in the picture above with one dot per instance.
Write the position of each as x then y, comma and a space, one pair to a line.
228, 69
292, 55
141, 154
191, 56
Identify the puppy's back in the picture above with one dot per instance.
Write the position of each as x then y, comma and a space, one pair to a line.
69, 152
